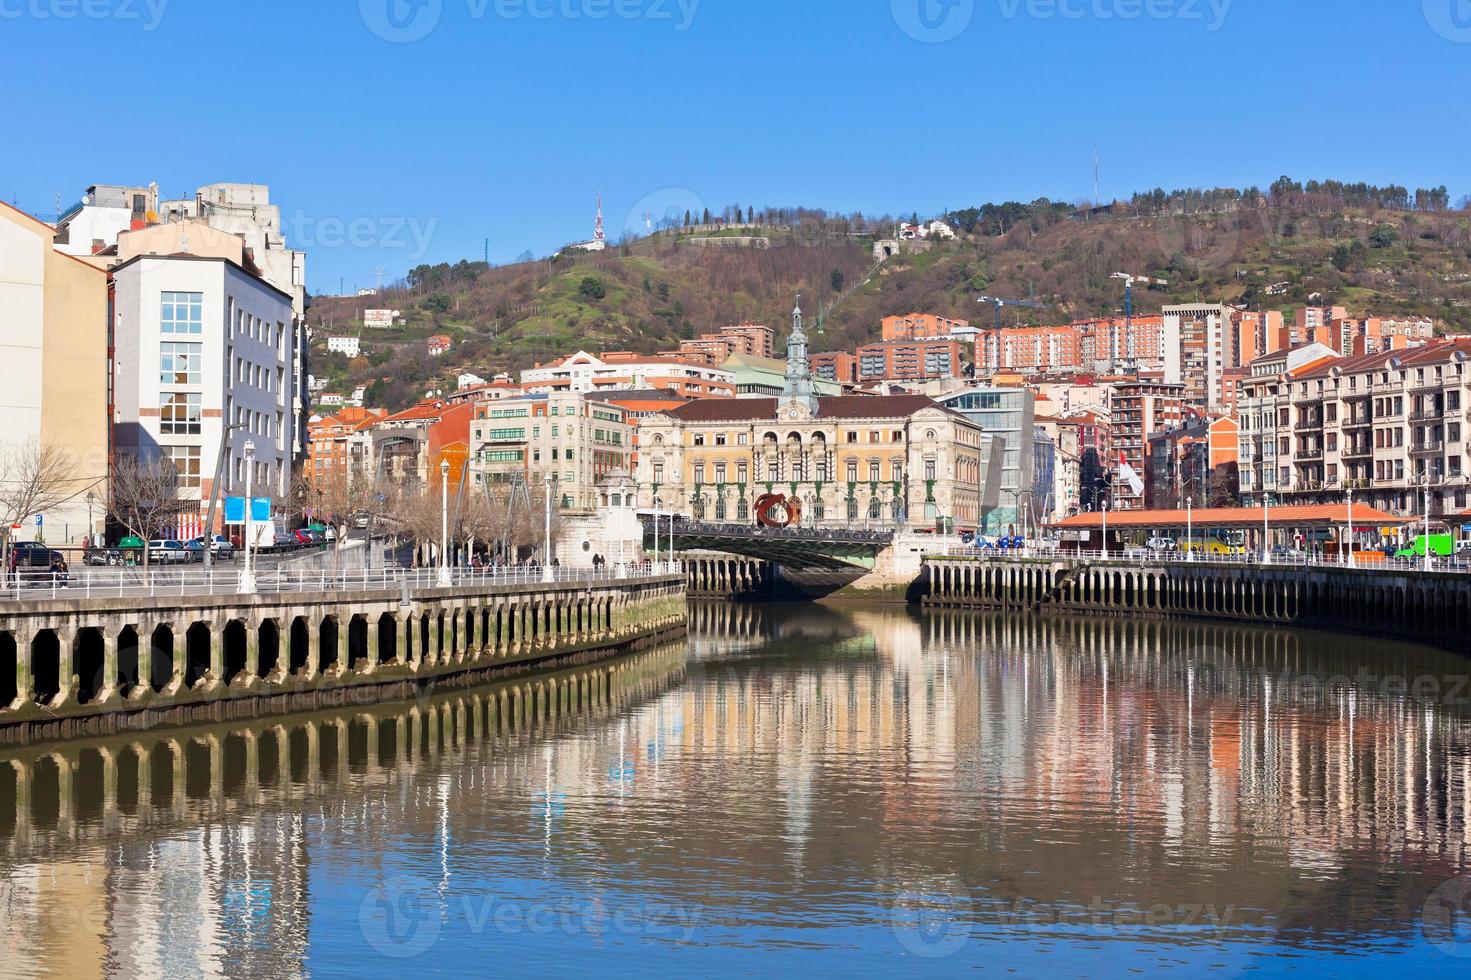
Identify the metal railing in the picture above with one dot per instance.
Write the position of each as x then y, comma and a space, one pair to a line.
1138, 555
162, 583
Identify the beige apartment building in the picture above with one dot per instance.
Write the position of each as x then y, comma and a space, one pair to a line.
54, 355
1390, 426
575, 439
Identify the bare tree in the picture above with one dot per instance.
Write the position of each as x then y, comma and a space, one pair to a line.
145, 497
34, 478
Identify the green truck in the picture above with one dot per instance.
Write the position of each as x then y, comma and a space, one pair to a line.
1441, 546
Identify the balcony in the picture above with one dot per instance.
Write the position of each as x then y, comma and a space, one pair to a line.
1425, 415
1358, 452
1432, 447
1308, 425
1307, 455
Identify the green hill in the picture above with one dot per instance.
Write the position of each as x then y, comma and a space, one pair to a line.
649, 294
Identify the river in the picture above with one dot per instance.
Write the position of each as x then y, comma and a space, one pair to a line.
801, 789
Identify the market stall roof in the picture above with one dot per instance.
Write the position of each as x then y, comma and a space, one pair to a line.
1302, 515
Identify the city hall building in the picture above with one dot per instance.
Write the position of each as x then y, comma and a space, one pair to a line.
898, 461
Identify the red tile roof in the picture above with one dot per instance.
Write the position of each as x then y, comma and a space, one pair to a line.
836, 407
1303, 515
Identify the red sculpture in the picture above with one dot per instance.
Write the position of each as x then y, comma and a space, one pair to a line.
777, 510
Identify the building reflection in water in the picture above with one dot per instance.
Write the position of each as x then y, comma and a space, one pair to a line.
794, 769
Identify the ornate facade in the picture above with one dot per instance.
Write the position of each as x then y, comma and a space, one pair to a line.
879, 461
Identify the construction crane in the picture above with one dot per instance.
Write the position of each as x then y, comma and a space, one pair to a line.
1011, 302
1129, 282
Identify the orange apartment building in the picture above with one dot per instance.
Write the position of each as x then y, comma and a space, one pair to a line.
327, 440
922, 326
1140, 410
919, 360
839, 366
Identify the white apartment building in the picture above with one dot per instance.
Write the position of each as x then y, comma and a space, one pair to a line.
351, 346
1391, 427
576, 439
203, 342
104, 212
584, 372
1195, 349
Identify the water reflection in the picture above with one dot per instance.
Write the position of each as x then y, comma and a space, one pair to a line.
803, 788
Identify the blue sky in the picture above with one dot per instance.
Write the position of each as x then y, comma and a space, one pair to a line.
399, 131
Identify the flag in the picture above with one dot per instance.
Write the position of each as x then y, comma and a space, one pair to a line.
1130, 476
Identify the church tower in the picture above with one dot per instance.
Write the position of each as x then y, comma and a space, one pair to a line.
798, 386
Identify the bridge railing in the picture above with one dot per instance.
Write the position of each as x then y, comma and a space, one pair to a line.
1143, 556
683, 528
161, 583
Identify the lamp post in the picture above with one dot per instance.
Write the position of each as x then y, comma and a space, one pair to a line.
1266, 529
656, 535
1105, 529
1348, 532
444, 575
1190, 528
1425, 563
247, 577
546, 574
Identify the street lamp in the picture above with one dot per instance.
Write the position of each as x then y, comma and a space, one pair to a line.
656, 535
1425, 564
546, 575
1105, 529
1266, 529
444, 576
247, 577
1348, 532
1190, 528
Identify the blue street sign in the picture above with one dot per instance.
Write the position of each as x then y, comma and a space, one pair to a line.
260, 510
40, 520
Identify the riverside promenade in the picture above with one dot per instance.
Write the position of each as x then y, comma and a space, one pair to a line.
164, 651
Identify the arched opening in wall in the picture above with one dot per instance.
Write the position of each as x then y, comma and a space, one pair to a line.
387, 638
127, 660
127, 780
268, 641
161, 775
233, 755
9, 665
196, 654
299, 645
326, 644
198, 769
357, 642
46, 666
45, 793
87, 664
87, 788
423, 636
439, 638
470, 615
161, 659
235, 640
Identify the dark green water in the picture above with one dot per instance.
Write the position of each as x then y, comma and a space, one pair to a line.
799, 790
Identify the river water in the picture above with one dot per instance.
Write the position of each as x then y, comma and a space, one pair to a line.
844, 791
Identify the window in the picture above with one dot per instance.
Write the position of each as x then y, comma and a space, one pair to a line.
181, 313
852, 509
742, 473
658, 472
699, 473
930, 469
852, 471
699, 440
186, 464
873, 471
180, 364
180, 414
719, 472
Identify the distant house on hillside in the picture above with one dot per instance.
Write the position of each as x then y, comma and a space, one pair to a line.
438, 344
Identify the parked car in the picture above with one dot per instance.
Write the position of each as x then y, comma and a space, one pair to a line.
220, 547
167, 551
31, 559
1160, 544
303, 537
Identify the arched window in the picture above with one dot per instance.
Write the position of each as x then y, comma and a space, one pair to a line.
743, 512
698, 509
898, 510
819, 510
720, 509
875, 509
852, 509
